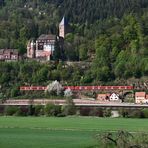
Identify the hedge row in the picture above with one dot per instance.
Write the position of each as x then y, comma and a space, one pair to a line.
61, 111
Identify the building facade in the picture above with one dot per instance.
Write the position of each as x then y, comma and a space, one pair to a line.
9, 55
103, 97
141, 97
44, 46
114, 97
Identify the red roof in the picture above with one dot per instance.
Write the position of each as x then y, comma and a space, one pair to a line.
140, 94
47, 37
102, 96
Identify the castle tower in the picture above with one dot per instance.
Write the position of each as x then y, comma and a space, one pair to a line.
62, 30
31, 49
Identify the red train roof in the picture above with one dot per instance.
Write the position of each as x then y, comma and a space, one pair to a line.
78, 88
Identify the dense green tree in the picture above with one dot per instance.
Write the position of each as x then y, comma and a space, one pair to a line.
69, 108
83, 52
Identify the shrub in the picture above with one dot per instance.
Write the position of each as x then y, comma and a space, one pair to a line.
84, 111
135, 114
22, 111
123, 112
10, 110
57, 111
107, 113
122, 139
145, 113
39, 110
15, 92
96, 112
31, 110
69, 108
52, 110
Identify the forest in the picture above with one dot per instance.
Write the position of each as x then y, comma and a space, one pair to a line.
112, 35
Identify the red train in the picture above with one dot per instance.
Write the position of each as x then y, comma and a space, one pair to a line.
79, 88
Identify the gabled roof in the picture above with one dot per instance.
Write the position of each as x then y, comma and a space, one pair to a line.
103, 95
47, 37
14, 51
115, 94
140, 94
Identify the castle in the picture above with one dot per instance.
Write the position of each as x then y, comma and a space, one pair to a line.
44, 46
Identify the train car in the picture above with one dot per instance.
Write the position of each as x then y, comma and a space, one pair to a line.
80, 88
32, 88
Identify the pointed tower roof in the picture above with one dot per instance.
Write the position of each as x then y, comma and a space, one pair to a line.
62, 21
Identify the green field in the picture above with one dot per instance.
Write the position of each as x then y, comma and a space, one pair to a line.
67, 132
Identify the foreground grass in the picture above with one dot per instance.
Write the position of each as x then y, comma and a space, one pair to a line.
73, 132
33, 138
76, 123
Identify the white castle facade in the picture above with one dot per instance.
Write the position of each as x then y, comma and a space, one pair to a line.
44, 46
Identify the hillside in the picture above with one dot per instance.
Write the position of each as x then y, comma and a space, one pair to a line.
88, 11
110, 34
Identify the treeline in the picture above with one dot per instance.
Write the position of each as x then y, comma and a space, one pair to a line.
69, 109
38, 110
87, 11
118, 47
121, 51
16, 74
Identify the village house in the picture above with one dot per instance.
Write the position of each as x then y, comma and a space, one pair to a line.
103, 97
9, 55
108, 97
114, 97
141, 97
44, 46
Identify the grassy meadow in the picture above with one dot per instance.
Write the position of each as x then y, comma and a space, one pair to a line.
67, 132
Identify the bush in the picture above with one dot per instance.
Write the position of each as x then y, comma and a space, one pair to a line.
84, 111
57, 111
123, 112
145, 113
122, 139
39, 110
61, 115
96, 112
10, 110
22, 111
52, 110
15, 92
107, 113
69, 108
31, 110
135, 114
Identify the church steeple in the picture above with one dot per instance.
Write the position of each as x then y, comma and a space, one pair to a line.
62, 28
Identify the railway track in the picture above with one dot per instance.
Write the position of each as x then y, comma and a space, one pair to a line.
78, 102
